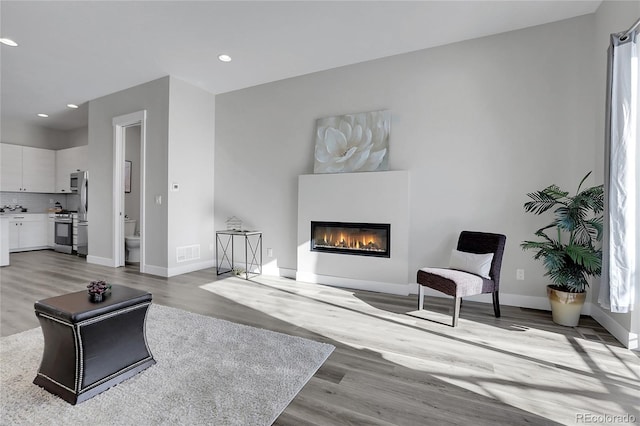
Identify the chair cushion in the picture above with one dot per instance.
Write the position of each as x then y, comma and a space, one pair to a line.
453, 282
479, 264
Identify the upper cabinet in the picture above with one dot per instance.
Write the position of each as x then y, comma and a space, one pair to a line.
11, 170
68, 161
27, 169
38, 169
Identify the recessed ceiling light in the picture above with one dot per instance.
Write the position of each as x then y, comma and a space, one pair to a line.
224, 58
8, 42
73, 106
43, 115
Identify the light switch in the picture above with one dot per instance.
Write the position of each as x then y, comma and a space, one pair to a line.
158, 199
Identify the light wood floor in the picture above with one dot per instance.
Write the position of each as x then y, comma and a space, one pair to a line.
388, 367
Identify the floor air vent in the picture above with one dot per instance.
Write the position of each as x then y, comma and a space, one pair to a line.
186, 253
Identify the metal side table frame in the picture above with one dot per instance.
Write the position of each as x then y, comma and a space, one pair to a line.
252, 247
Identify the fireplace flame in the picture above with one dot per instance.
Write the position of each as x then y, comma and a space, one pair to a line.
355, 239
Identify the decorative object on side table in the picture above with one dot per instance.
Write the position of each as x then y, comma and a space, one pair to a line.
98, 290
234, 224
574, 253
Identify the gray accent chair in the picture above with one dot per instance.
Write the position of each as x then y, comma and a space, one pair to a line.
459, 283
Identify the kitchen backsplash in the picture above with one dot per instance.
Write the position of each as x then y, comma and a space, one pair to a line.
39, 203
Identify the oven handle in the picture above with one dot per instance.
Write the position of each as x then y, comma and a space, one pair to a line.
64, 220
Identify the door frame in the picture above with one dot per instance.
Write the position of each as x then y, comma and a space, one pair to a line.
120, 124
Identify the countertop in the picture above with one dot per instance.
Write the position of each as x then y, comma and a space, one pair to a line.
9, 214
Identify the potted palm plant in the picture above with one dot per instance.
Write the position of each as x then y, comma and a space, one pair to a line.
569, 247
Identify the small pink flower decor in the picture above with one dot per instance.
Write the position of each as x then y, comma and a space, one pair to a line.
98, 290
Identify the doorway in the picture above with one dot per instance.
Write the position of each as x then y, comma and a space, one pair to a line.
132, 195
129, 128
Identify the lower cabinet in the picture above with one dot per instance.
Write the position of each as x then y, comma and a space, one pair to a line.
4, 241
28, 232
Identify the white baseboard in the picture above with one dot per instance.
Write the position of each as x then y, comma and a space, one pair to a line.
160, 271
192, 267
518, 300
401, 289
405, 289
628, 339
17, 250
104, 261
287, 273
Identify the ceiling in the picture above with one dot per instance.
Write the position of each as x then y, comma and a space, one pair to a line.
75, 51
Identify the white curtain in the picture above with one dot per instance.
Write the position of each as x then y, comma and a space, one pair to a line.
619, 274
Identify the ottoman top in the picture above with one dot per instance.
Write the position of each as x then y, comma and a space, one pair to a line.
76, 307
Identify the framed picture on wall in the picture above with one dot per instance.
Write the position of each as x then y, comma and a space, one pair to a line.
353, 143
127, 176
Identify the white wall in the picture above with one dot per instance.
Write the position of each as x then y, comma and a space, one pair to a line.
154, 98
179, 148
76, 137
191, 159
19, 133
477, 124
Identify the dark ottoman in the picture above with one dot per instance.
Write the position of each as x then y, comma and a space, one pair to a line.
90, 347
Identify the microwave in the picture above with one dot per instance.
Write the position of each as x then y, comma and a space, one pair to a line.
75, 181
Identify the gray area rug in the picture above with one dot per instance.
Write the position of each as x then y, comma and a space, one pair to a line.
208, 372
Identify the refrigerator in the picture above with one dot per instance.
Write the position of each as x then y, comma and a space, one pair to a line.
83, 209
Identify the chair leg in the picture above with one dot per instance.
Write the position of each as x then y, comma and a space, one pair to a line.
420, 297
496, 304
456, 311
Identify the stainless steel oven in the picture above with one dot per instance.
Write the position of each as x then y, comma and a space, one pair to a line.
63, 237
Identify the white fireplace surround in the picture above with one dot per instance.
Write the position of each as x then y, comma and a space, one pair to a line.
371, 197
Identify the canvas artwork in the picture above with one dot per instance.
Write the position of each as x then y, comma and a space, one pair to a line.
353, 143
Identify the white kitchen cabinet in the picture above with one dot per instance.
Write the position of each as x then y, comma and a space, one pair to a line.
51, 230
14, 235
4, 241
28, 232
68, 161
27, 169
11, 170
38, 169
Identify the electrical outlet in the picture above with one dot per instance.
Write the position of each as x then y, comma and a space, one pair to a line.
269, 252
210, 246
520, 274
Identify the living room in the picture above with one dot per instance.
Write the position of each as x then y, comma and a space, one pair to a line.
476, 125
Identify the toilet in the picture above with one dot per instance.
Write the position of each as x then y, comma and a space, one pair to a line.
131, 241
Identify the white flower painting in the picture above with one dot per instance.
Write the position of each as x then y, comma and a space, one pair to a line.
353, 143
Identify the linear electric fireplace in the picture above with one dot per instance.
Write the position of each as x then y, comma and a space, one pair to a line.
362, 239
